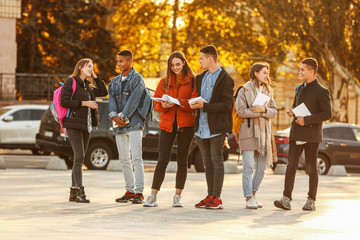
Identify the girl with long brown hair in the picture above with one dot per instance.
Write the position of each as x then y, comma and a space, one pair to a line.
256, 138
174, 121
83, 118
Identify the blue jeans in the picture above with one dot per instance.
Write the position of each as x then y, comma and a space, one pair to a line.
252, 182
131, 142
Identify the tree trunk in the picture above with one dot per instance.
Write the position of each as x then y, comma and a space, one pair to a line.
173, 30
340, 80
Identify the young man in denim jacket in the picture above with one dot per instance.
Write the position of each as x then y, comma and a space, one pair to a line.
125, 93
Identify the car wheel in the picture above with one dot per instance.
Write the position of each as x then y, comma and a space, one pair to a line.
323, 165
98, 155
69, 162
198, 161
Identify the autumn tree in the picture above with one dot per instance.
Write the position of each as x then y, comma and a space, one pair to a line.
327, 30
53, 35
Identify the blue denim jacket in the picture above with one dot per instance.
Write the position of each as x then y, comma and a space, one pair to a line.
124, 98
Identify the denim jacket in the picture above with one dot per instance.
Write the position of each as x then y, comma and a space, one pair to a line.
124, 99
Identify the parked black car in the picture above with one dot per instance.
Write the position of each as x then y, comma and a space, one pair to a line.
340, 146
102, 146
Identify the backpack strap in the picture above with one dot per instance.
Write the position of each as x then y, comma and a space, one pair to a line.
247, 105
73, 88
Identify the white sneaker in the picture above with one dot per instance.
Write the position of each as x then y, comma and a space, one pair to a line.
259, 205
177, 202
251, 204
151, 201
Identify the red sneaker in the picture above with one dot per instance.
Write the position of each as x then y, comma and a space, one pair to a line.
203, 202
215, 203
128, 196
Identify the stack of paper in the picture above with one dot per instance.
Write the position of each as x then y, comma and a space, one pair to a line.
197, 99
261, 99
168, 98
301, 111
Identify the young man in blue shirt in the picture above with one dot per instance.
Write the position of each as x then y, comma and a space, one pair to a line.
213, 122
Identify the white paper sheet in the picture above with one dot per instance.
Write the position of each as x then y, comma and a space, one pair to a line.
197, 99
261, 99
168, 98
301, 111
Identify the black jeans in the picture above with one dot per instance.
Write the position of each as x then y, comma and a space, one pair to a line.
212, 152
311, 152
79, 140
166, 141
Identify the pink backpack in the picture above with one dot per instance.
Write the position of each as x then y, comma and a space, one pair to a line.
58, 111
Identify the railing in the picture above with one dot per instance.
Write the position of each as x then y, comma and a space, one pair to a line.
37, 86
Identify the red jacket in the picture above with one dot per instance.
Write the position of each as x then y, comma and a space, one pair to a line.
185, 116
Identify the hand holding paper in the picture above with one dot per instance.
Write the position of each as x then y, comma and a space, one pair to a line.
197, 99
301, 111
261, 99
168, 98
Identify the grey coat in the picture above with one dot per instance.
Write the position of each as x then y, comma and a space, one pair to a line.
243, 103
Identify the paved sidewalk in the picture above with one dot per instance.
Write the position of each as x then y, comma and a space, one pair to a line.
34, 205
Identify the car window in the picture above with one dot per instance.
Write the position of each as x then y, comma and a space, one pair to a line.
343, 133
22, 115
357, 133
36, 114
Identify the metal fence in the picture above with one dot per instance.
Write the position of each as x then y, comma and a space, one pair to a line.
37, 86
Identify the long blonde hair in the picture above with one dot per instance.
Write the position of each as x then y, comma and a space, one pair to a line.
80, 64
256, 67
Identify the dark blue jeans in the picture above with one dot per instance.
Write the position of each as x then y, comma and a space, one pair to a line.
311, 152
212, 152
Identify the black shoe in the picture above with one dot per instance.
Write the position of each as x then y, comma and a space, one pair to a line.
138, 199
81, 197
128, 196
73, 194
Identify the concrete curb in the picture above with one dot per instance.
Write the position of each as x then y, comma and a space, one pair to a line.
172, 167
337, 170
2, 164
231, 168
280, 169
114, 165
56, 163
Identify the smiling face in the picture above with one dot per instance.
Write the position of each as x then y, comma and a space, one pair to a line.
87, 69
124, 63
262, 76
306, 73
177, 66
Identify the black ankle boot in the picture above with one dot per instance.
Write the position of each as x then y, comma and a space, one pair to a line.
81, 197
73, 193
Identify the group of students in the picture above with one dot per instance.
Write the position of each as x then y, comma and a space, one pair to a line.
209, 119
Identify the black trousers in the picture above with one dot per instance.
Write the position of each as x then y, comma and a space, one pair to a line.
166, 141
311, 152
212, 152
79, 140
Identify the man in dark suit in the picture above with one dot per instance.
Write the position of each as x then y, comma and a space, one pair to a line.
306, 132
